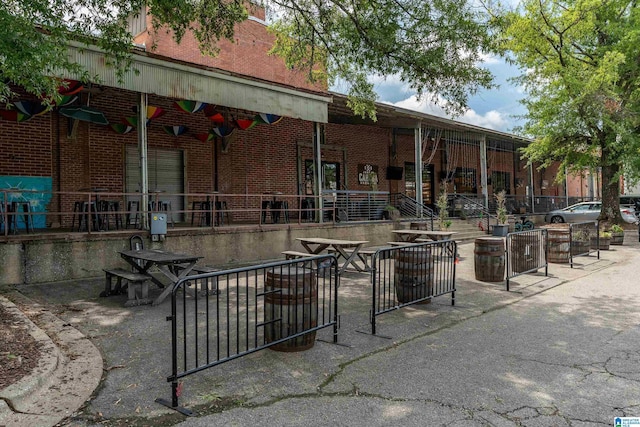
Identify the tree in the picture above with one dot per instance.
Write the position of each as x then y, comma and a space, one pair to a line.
434, 47
581, 63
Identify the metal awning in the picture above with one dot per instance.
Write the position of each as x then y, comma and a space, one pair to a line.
182, 81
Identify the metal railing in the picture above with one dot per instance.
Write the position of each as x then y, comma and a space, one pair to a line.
350, 206
410, 208
584, 238
465, 207
526, 253
411, 274
221, 316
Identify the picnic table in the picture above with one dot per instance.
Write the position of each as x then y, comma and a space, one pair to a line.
410, 236
168, 263
344, 249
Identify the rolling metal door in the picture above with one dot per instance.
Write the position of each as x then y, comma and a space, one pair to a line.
166, 174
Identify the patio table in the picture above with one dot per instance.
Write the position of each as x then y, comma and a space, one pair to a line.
427, 235
315, 245
143, 259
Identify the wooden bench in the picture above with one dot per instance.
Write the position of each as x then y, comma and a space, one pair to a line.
137, 286
296, 254
203, 269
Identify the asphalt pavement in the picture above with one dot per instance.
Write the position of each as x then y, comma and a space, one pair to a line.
557, 350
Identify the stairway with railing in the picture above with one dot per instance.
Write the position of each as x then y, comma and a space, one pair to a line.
467, 208
410, 208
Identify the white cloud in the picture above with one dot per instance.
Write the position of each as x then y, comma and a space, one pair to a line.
491, 119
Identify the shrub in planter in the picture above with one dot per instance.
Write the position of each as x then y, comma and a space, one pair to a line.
605, 241
617, 235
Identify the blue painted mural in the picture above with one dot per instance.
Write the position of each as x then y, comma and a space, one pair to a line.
33, 189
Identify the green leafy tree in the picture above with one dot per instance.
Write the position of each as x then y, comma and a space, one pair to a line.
581, 74
434, 47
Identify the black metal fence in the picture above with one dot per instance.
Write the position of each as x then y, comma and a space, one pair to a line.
223, 315
411, 274
584, 238
526, 253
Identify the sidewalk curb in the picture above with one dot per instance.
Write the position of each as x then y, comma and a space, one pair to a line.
47, 364
71, 371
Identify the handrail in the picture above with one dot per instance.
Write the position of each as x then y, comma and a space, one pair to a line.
410, 207
473, 209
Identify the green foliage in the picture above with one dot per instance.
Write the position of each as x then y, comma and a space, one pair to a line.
433, 47
617, 228
442, 203
34, 35
501, 210
582, 80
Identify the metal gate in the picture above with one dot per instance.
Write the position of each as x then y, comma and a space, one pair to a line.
223, 315
526, 253
405, 275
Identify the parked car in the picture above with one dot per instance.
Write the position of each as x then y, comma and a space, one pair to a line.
586, 211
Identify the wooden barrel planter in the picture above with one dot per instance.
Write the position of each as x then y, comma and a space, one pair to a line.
489, 259
617, 237
291, 306
601, 244
412, 275
559, 244
524, 252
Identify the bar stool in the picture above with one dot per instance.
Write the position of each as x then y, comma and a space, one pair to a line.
266, 207
199, 208
27, 219
280, 208
133, 210
221, 212
110, 209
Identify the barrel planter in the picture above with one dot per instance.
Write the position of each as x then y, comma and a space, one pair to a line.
580, 247
559, 245
412, 275
617, 237
601, 244
489, 259
525, 252
291, 306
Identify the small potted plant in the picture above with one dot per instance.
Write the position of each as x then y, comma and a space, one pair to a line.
502, 228
390, 212
603, 242
580, 242
617, 234
443, 209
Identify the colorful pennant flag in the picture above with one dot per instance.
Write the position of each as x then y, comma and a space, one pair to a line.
30, 108
212, 113
72, 87
189, 106
204, 137
270, 119
120, 128
223, 131
244, 124
14, 116
175, 130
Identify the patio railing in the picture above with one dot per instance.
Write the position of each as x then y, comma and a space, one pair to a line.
411, 274
99, 210
234, 313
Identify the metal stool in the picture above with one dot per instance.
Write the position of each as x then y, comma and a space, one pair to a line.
133, 210
280, 209
199, 208
27, 220
109, 209
266, 206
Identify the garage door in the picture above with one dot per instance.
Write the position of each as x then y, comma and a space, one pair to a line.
166, 175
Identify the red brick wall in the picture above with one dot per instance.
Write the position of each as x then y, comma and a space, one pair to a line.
247, 55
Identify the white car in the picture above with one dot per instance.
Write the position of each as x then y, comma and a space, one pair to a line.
586, 211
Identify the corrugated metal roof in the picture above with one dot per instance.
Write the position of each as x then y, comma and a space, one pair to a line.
181, 81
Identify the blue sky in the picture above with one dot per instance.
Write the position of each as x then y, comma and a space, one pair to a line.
493, 109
